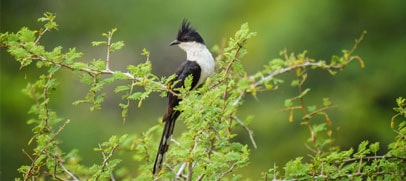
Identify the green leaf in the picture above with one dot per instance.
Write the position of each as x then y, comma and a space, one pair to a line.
311, 108
51, 25
303, 93
26, 35
71, 55
362, 150
133, 69
326, 102
296, 169
135, 96
79, 65
116, 46
288, 103
99, 64
120, 75
374, 147
55, 54
98, 43
121, 88
145, 52
49, 18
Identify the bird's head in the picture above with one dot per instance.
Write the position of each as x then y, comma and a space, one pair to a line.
187, 36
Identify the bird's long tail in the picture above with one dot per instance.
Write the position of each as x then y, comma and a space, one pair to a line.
165, 140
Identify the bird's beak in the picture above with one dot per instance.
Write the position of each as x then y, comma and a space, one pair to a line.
174, 42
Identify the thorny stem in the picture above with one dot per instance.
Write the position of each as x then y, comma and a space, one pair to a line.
372, 157
128, 100
293, 67
233, 60
225, 77
303, 108
144, 142
44, 94
92, 72
190, 163
106, 158
40, 35
305, 64
226, 72
109, 36
28, 173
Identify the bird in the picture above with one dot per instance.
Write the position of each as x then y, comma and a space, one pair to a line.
200, 65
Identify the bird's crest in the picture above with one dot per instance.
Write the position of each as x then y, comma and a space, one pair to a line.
187, 33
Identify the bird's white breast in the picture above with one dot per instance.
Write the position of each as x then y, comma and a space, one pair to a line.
198, 52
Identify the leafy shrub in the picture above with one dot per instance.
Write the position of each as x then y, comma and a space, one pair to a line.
206, 151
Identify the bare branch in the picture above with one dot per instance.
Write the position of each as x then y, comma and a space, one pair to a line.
67, 171
249, 131
109, 36
227, 171
179, 173
40, 35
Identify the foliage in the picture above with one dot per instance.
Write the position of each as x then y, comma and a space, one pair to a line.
206, 151
361, 164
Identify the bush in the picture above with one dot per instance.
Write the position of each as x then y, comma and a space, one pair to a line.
207, 150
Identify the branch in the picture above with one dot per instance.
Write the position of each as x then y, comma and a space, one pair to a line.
28, 173
106, 159
292, 67
92, 72
227, 171
180, 171
40, 35
249, 131
373, 157
318, 111
68, 172
109, 36
305, 64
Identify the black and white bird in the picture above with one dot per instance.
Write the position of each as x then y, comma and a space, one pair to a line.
200, 65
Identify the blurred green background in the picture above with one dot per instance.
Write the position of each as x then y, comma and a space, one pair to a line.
364, 97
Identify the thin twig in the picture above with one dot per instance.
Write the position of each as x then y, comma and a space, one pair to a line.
40, 36
373, 157
28, 173
295, 66
128, 100
228, 68
319, 110
67, 171
201, 177
292, 67
233, 60
180, 171
106, 159
227, 171
92, 72
45, 95
28, 155
190, 172
109, 36
400, 134
249, 131
190, 163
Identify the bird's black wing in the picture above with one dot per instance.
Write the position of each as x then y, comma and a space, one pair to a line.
187, 68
